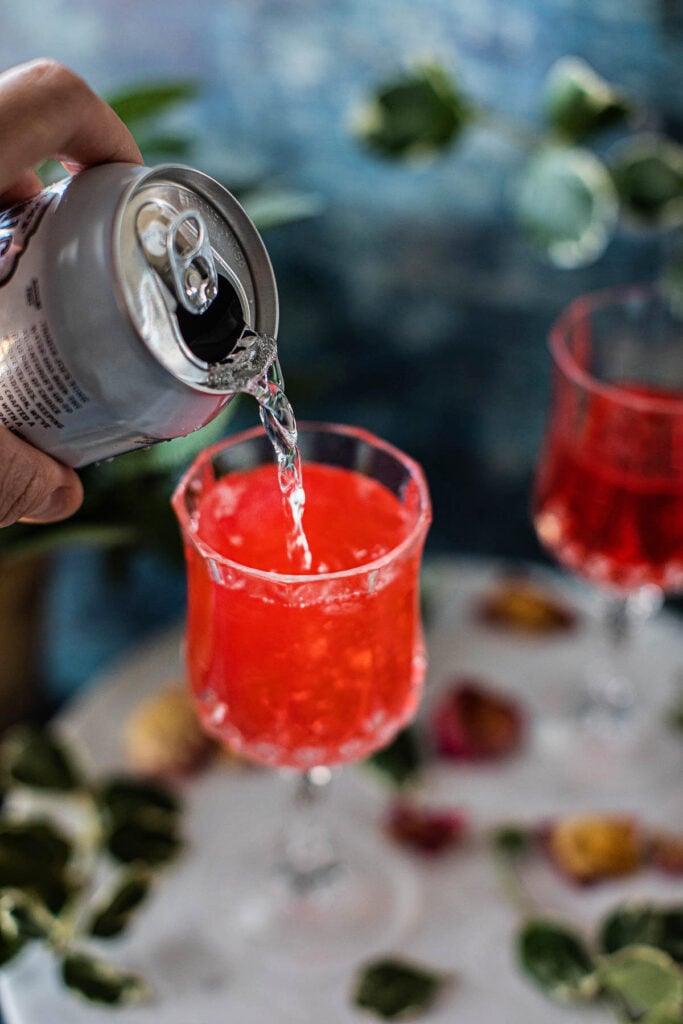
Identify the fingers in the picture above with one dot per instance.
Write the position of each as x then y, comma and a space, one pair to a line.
25, 187
32, 485
46, 111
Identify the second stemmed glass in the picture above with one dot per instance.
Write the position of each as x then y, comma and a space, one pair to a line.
306, 670
608, 499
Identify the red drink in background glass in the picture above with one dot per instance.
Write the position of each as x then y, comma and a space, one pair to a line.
609, 489
608, 495
307, 668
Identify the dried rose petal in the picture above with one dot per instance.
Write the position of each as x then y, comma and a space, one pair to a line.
472, 722
519, 604
428, 830
163, 736
591, 848
665, 852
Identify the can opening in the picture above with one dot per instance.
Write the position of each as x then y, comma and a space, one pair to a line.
212, 335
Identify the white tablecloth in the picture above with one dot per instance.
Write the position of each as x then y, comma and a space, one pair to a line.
463, 923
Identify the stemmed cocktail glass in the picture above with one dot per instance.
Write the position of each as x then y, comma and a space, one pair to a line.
307, 670
608, 499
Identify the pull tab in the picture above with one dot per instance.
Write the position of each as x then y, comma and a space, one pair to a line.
177, 246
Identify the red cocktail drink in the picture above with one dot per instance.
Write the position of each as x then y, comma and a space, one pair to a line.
303, 668
609, 495
608, 499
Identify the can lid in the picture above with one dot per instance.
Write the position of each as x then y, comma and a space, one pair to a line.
195, 279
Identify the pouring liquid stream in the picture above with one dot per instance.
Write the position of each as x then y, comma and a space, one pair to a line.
277, 417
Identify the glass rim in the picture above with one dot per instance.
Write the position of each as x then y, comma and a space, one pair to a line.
422, 520
580, 309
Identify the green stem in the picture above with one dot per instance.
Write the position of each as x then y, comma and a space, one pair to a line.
512, 885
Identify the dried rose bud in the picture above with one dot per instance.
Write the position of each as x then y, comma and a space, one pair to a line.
471, 722
665, 852
591, 848
427, 830
519, 604
163, 735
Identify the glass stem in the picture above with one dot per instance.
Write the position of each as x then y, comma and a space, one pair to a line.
308, 860
610, 695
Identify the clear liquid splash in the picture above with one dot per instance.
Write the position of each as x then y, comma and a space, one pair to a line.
277, 417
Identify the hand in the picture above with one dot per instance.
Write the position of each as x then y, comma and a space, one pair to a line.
47, 111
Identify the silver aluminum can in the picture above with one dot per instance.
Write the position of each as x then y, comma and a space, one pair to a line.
134, 304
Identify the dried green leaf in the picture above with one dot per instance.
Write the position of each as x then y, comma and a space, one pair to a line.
99, 982
663, 1015
9, 947
135, 842
138, 103
580, 103
39, 842
167, 146
114, 916
511, 842
557, 961
644, 925
419, 115
37, 758
567, 204
640, 980
125, 798
34, 857
271, 209
24, 915
674, 287
401, 760
648, 175
394, 989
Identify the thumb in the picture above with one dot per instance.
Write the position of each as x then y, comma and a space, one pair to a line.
34, 486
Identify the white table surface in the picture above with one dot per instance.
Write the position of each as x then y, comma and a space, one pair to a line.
463, 925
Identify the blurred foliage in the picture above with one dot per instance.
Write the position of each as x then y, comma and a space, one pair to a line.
588, 167
126, 503
121, 828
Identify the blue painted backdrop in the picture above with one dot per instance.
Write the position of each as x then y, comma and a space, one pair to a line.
412, 305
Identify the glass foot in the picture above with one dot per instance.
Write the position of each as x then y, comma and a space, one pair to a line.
359, 905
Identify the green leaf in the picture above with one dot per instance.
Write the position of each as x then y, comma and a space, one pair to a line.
567, 204
556, 960
140, 102
34, 858
270, 209
168, 146
10, 946
580, 103
46, 540
124, 798
38, 842
24, 915
137, 842
644, 925
99, 982
631, 925
140, 821
663, 1015
393, 989
640, 980
674, 287
419, 115
114, 916
400, 761
648, 175
37, 758
511, 842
